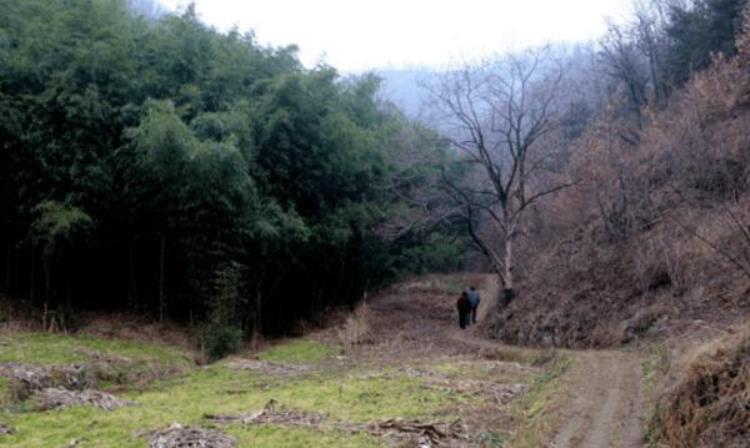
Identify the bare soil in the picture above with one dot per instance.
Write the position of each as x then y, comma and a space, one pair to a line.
603, 406
604, 402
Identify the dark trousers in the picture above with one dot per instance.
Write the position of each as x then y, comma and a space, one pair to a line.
472, 317
463, 319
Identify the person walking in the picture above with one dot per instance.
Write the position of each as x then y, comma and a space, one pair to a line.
474, 299
464, 308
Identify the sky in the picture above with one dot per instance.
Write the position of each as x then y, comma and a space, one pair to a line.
359, 35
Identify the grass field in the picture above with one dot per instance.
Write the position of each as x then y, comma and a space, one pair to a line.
404, 374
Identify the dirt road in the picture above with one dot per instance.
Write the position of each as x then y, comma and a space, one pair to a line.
602, 405
604, 402
599, 403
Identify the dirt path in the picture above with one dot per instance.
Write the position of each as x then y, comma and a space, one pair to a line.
489, 293
603, 406
604, 403
600, 401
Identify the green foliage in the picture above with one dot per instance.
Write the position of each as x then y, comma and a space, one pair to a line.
63, 318
220, 340
151, 154
57, 224
706, 28
222, 335
490, 440
437, 253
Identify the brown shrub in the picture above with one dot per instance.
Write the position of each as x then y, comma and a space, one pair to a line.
357, 329
710, 406
655, 235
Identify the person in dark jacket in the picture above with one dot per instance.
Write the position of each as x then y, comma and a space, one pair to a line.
472, 295
464, 308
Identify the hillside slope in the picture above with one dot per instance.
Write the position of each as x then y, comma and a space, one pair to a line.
653, 240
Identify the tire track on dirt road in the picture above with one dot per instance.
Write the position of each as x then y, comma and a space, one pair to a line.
602, 404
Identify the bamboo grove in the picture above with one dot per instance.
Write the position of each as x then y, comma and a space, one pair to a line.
160, 166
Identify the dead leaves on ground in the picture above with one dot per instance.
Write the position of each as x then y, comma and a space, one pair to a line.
501, 392
54, 398
57, 386
28, 378
272, 413
269, 368
178, 436
396, 431
5, 430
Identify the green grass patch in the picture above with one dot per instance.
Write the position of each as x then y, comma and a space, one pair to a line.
537, 424
51, 348
299, 351
220, 390
654, 366
351, 396
479, 371
3, 390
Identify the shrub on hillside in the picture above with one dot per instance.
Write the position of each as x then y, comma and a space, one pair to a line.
709, 406
218, 341
222, 335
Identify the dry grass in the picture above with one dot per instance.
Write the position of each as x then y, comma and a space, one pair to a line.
709, 403
137, 328
356, 329
654, 237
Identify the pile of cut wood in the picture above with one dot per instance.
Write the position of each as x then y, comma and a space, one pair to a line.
178, 436
62, 398
57, 386
5, 429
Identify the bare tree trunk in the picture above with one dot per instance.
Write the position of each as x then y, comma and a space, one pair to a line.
501, 115
509, 263
68, 289
131, 275
255, 338
44, 317
508, 291
33, 277
47, 278
8, 259
162, 305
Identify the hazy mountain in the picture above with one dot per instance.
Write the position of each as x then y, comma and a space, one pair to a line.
403, 87
149, 8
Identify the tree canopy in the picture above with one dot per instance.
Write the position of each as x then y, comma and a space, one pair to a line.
147, 161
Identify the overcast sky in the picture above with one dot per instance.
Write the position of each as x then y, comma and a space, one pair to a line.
356, 35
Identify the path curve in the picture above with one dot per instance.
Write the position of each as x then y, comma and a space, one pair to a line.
602, 405
489, 292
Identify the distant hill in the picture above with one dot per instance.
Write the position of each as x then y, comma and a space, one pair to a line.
403, 88
148, 8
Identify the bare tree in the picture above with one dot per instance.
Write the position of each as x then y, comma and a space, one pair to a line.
623, 62
499, 116
650, 38
633, 55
